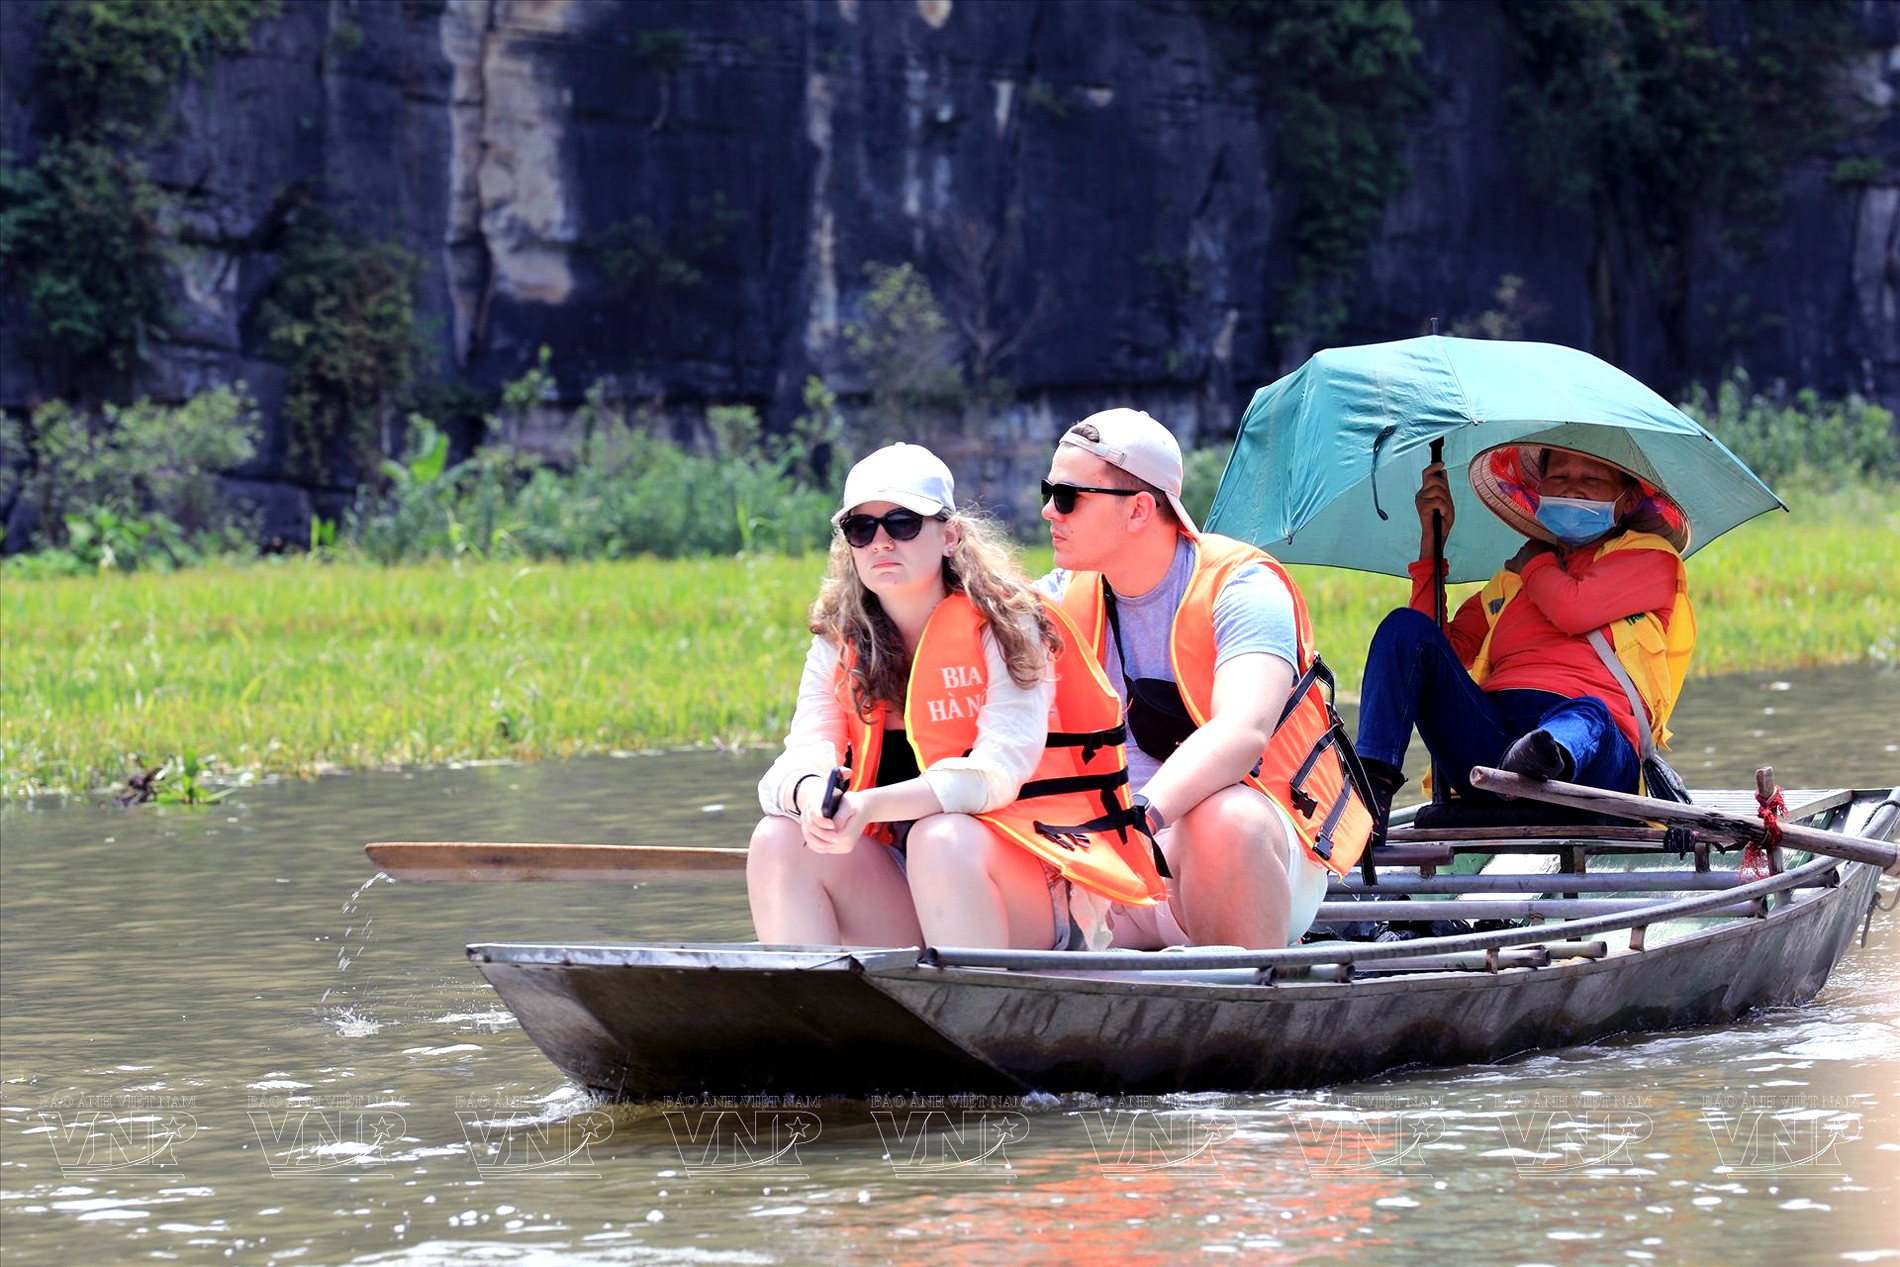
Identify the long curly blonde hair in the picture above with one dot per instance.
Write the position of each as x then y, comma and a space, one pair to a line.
980, 567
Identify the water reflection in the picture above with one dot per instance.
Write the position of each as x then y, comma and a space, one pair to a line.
219, 1041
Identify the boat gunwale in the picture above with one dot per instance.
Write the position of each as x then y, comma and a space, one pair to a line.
1698, 941
726, 956
1363, 952
1631, 837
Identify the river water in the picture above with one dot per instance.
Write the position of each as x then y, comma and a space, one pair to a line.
219, 1044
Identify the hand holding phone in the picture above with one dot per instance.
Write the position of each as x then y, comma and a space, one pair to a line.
835, 784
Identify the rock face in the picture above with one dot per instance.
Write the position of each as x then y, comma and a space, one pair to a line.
682, 196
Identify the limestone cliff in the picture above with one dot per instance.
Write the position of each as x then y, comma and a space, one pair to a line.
1089, 184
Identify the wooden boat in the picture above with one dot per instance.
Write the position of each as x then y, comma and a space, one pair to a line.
1641, 929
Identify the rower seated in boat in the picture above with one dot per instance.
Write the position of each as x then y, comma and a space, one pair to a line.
987, 801
1569, 662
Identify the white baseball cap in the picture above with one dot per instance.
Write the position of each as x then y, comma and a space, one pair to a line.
1131, 440
908, 474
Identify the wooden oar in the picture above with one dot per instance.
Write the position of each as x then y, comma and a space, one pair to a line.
462, 861
1740, 827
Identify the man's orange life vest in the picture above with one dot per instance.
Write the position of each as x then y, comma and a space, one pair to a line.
1308, 767
1082, 777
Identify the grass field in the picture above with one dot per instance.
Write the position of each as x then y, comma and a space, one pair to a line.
298, 667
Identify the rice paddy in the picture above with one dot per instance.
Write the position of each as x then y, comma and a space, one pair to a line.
296, 667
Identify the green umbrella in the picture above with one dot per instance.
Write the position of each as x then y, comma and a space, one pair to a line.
1328, 457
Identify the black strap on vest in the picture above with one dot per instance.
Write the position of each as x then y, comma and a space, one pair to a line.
1323, 838
1073, 783
1117, 820
1302, 800
1089, 741
1315, 672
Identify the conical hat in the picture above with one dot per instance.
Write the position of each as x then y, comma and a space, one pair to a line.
1506, 477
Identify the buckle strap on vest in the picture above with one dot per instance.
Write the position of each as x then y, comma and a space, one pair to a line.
1354, 784
1304, 801
1116, 820
1315, 672
1089, 741
1105, 783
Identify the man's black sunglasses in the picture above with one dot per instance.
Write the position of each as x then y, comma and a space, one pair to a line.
901, 524
1064, 495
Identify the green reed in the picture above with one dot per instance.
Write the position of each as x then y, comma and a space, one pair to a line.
299, 666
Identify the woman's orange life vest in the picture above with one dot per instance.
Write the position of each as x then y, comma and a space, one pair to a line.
1308, 768
1081, 778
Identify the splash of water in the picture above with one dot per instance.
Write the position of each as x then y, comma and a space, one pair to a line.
355, 942
350, 906
345, 954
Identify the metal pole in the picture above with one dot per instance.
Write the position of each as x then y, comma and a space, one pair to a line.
1439, 792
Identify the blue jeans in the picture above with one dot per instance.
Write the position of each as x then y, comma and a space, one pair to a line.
1414, 678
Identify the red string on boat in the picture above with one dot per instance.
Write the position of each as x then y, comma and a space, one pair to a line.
1755, 863
1770, 823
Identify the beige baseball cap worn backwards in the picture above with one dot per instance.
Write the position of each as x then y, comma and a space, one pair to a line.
1139, 445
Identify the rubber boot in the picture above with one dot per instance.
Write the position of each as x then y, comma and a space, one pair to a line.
1386, 780
1538, 755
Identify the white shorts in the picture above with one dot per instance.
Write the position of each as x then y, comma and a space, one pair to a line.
1142, 927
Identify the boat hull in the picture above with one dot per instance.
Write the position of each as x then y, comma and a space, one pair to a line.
653, 1022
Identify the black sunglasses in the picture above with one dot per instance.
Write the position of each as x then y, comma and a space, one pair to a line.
901, 524
1064, 495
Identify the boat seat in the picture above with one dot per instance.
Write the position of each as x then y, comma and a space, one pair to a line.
1412, 855
1452, 815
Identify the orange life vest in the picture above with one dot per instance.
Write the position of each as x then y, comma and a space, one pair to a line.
1308, 767
1073, 812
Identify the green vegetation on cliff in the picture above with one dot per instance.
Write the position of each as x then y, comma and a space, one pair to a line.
79, 225
1661, 117
1340, 79
340, 315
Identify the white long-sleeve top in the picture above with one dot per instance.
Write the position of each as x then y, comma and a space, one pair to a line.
1011, 729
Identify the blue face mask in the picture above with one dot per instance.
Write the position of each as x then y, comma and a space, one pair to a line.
1576, 521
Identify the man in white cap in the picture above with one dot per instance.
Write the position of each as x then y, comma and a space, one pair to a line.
1201, 636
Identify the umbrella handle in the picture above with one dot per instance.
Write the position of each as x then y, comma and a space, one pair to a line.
1438, 547
1438, 596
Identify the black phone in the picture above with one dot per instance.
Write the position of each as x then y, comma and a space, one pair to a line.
834, 791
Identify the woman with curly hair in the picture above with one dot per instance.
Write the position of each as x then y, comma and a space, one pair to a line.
931, 683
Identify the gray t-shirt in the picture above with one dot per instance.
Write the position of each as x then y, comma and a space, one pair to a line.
1253, 614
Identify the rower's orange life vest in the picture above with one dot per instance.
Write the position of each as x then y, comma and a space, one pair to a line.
1307, 768
1083, 773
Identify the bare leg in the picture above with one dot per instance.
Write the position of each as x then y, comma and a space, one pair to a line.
1228, 855
974, 888
803, 898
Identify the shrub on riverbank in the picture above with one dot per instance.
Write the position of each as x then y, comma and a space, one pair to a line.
134, 485
630, 493
1801, 440
295, 666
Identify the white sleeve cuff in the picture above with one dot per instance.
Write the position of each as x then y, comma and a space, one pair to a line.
964, 786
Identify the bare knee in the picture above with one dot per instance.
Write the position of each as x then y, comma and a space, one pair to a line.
776, 844
944, 845
1235, 827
